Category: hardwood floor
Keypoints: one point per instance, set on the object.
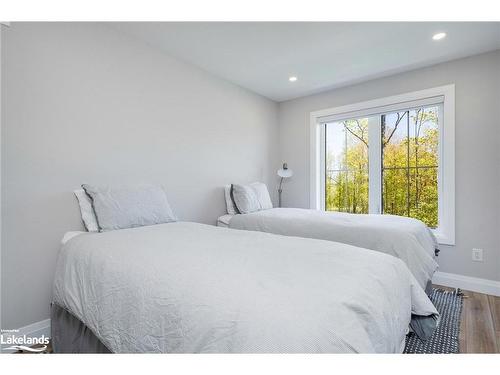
(480, 325)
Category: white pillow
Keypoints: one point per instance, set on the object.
(244, 198)
(129, 207)
(231, 209)
(260, 190)
(249, 198)
(86, 210)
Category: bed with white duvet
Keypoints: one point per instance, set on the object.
(188, 288)
(405, 238)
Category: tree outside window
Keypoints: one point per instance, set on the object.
(409, 164)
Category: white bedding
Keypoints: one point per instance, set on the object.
(224, 220)
(408, 239)
(69, 235)
(187, 288)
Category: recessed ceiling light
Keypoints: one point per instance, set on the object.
(292, 79)
(438, 36)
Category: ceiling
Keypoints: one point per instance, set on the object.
(262, 56)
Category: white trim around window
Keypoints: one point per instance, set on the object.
(445, 232)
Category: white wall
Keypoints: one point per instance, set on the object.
(477, 146)
(85, 104)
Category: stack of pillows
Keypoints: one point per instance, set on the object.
(104, 209)
(244, 199)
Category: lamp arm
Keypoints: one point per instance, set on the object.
(279, 192)
(281, 183)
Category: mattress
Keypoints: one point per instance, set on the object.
(223, 221)
(405, 238)
(69, 235)
(191, 288)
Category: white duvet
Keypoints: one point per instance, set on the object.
(188, 288)
(408, 239)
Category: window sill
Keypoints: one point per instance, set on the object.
(443, 239)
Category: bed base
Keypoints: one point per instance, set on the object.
(70, 335)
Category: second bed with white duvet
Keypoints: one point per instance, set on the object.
(405, 238)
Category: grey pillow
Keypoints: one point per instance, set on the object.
(129, 207)
(244, 198)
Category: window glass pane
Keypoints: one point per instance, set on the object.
(410, 164)
(394, 136)
(346, 185)
(394, 192)
(424, 196)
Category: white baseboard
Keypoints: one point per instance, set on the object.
(473, 284)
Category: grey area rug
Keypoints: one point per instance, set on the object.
(445, 337)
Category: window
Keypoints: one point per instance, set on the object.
(388, 156)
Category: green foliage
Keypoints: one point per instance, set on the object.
(347, 189)
(409, 180)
